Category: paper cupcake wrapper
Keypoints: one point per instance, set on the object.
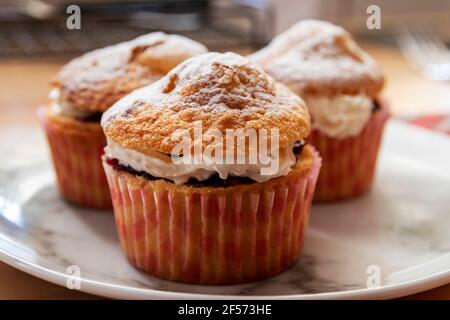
(348, 165)
(211, 238)
(77, 161)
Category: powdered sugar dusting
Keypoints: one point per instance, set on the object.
(314, 53)
(157, 51)
(212, 82)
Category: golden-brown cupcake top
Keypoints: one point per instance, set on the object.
(223, 91)
(97, 79)
(317, 57)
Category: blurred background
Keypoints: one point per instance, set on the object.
(37, 27)
(411, 45)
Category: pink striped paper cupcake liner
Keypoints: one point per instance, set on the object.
(212, 235)
(348, 165)
(76, 156)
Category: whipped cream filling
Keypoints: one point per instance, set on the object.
(339, 116)
(162, 165)
(65, 108)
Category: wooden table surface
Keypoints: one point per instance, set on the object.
(24, 84)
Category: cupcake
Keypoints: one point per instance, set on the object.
(340, 84)
(210, 184)
(83, 90)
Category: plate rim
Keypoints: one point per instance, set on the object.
(119, 291)
(103, 289)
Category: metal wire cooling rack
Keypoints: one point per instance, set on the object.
(240, 28)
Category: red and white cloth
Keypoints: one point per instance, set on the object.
(439, 122)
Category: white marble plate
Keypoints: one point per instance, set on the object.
(400, 231)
